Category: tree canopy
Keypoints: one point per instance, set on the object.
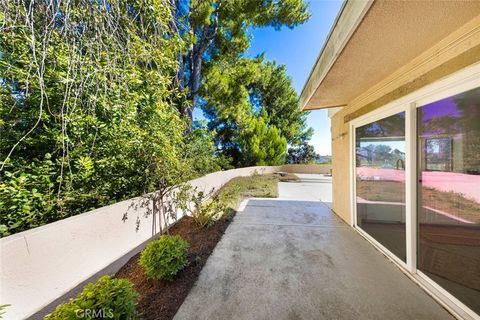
(87, 107)
(241, 98)
(96, 99)
(216, 32)
(302, 153)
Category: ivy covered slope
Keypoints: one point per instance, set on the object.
(96, 99)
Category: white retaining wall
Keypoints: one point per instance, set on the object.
(42, 265)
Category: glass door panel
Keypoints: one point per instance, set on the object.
(380, 182)
(449, 195)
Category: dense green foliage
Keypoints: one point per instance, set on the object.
(217, 33)
(96, 99)
(261, 144)
(108, 298)
(163, 258)
(88, 108)
(243, 98)
(303, 153)
(254, 110)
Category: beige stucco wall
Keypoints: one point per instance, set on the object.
(340, 168)
(455, 52)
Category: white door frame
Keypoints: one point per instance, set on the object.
(381, 113)
(463, 80)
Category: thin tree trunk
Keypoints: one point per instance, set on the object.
(208, 33)
(195, 80)
(179, 76)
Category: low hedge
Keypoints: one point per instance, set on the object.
(108, 298)
(162, 259)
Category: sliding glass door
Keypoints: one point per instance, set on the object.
(380, 182)
(417, 187)
(449, 195)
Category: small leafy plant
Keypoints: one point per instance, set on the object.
(108, 298)
(163, 258)
(207, 208)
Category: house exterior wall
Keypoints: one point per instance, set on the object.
(341, 167)
(458, 50)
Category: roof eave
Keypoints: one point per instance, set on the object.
(350, 16)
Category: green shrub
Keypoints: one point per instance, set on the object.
(207, 208)
(108, 298)
(209, 213)
(163, 258)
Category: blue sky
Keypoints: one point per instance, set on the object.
(298, 49)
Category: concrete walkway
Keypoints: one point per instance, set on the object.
(310, 187)
(294, 259)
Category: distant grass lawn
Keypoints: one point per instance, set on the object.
(256, 186)
(286, 177)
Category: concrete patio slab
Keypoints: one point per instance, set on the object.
(295, 259)
(310, 187)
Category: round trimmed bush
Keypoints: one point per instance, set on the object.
(162, 259)
(108, 298)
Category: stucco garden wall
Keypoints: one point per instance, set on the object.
(46, 265)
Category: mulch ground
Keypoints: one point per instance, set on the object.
(162, 299)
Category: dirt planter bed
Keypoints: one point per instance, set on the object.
(162, 299)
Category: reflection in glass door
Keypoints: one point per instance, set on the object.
(380, 182)
(449, 195)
